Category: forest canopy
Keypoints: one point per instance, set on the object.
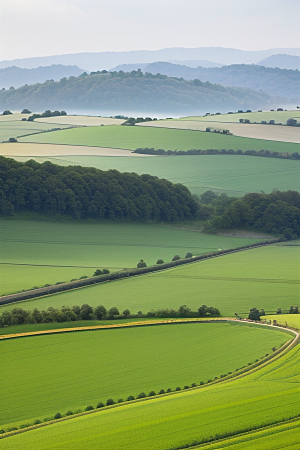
(86, 192)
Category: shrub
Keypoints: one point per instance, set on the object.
(176, 258)
(162, 391)
(178, 388)
(113, 312)
(130, 398)
(89, 408)
(126, 313)
(120, 400)
(109, 402)
(24, 425)
(141, 264)
(69, 413)
(97, 272)
(57, 416)
(189, 255)
(151, 394)
(12, 139)
(25, 111)
(37, 421)
(141, 395)
(100, 405)
(169, 390)
(186, 387)
(160, 261)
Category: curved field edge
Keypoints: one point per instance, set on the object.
(111, 372)
(179, 420)
(284, 435)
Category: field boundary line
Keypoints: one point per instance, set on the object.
(267, 360)
(125, 274)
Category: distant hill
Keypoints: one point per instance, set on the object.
(275, 82)
(281, 61)
(111, 91)
(16, 76)
(190, 63)
(105, 60)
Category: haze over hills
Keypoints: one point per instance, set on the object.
(275, 82)
(105, 60)
(188, 63)
(281, 61)
(115, 92)
(16, 76)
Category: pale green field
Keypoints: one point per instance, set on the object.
(16, 128)
(278, 116)
(269, 394)
(234, 175)
(91, 366)
(130, 138)
(265, 277)
(34, 253)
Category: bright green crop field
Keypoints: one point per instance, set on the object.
(42, 375)
(265, 277)
(130, 138)
(15, 128)
(293, 320)
(234, 175)
(278, 437)
(269, 394)
(35, 253)
(278, 116)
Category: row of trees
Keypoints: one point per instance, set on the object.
(255, 314)
(19, 316)
(86, 192)
(223, 151)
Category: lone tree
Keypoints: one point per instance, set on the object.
(112, 312)
(175, 258)
(254, 314)
(141, 264)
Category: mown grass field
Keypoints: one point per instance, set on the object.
(130, 138)
(45, 374)
(263, 278)
(34, 253)
(278, 116)
(269, 394)
(234, 175)
(253, 131)
(16, 128)
(81, 120)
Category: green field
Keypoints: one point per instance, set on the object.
(278, 437)
(278, 116)
(265, 277)
(42, 375)
(34, 253)
(269, 394)
(130, 138)
(234, 175)
(16, 129)
(293, 320)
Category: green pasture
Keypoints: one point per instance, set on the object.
(278, 116)
(293, 320)
(16, 129)
(35, 253)
(234, 175)
(42, 375)
(265, 277)
(267, 395)
(283, 436)
(130, 138)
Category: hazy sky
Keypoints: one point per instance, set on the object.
(53, 27)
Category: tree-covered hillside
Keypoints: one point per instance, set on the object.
(132, 91)
(86, 192)
(274, 81)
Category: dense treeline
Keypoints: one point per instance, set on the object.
(211, 151)
(86, 192)
(128, 91)
(278, 212)
(19, 316)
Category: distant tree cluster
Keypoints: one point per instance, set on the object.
(47, 113)
(278, 212)
(132, 121)
(86, 192)
(19, 316)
